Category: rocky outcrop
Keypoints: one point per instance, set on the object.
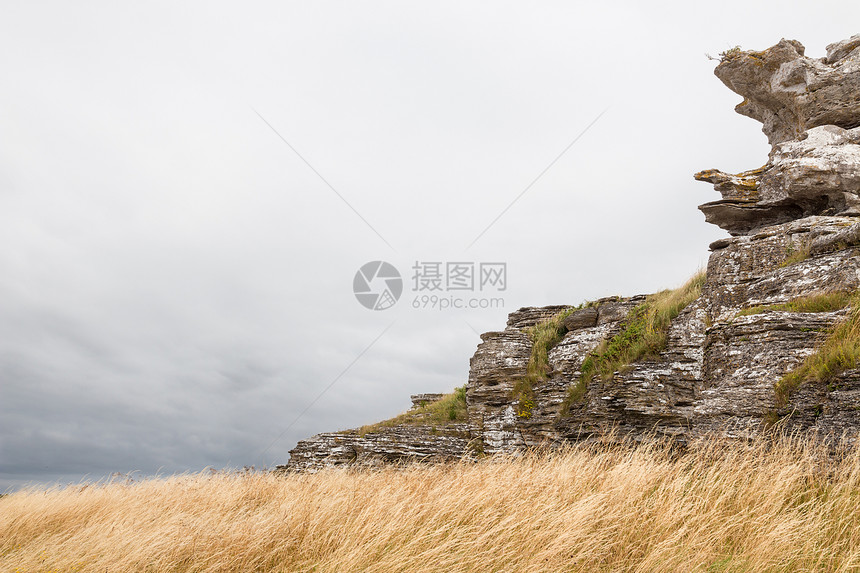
(815, 174)
(396, 444)
(795, 234)
(419, 400)
(718, 370)
(501, 359)
(818, 170)
(810, 111)
(791, 93)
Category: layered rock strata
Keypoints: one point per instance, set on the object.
(404, 443)
(810, 111)
(794, 234)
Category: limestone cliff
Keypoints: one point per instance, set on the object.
(723, 362)
(809, 111)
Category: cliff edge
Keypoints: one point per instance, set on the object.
(768, 335)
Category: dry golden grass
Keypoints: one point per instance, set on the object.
(587, 508)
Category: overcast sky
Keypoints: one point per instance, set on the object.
(176, 280)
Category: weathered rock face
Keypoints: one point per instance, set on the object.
(789, 92)
(796, 234)
(583, 318)
(718, 370)
(423, 399)
(820, 168)
(388, 445)
(810, 110)
(501, 359)
(656, 394)
(816, 174)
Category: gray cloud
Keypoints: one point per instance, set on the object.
(176, 283)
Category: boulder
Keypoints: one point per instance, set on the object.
(791, 93)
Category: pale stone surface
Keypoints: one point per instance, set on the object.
(424, 399)
(500, 360)
(810, 111)
(789, 92)
(821, 170)
(396, 444)
(816, 174)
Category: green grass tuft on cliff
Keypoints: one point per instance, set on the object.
(451, 408)
(838, 353)
(795, 253)
(544, 335)
(826, 302)
(644, 334)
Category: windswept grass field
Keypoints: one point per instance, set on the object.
(777, 507)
